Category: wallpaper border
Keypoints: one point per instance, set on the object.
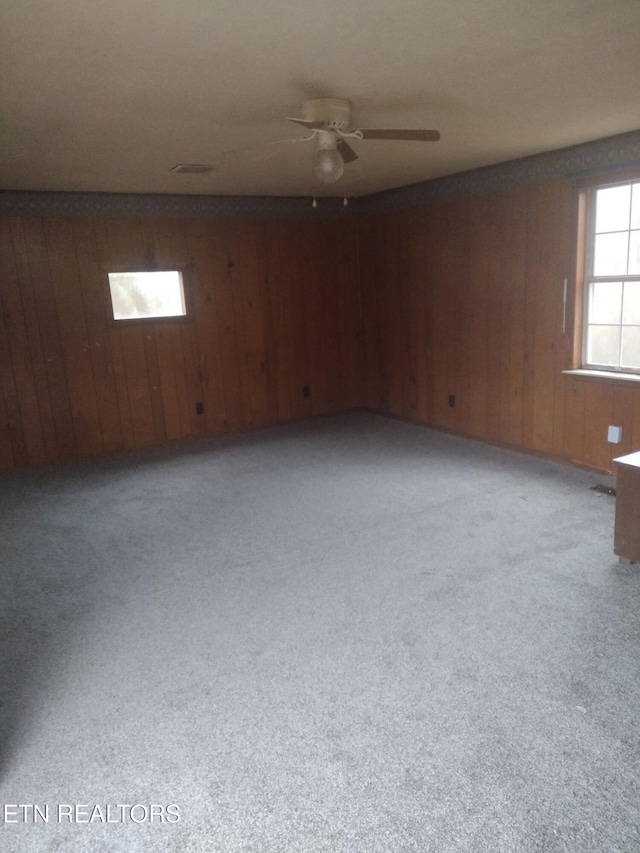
(34, 203)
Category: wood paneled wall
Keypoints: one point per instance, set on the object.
(274, 305)
(465, 298)
(396, 312)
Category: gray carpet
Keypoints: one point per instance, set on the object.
(352, 635)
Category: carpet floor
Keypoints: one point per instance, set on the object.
(352, 635)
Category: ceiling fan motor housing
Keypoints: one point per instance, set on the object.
(332, 112)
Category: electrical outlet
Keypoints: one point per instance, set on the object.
(199, 408)
(614, 434)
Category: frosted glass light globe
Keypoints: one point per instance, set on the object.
(328, 165)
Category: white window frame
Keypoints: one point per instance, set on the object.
(590, 278)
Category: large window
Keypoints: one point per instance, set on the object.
(611, 339)
(145, 295)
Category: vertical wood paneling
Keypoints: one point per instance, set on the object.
(95, 311)
(126, 249)
(278, 288)
(12, 427)
(268, 369)
(245, 276)
(32, 324)
(115, 367)
(428, 237)
(458, 247)
(50, 336)
(230, 334)
(548, 259)
(481, 323)
(76, 350)
(395, 312)
(369, 295)
(274, 306)
(203, 296)
(314, 275)
(597, 417)
(635, 428)
(484, 281)
(512, 239)
(440, 325)
(169, 381)
(303, 319)
(19, 353)
(7, 456)
(418, 319)
(327, 305)
(622, 413)
(574, 425)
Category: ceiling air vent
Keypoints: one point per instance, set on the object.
(192, 169)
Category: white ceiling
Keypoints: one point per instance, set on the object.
(108, 95)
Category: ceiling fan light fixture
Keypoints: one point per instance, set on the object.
(328, 165)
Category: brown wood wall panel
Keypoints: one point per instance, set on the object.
(278, 270)
(24, 281)
(96, 317)
(395, 312)
(246, 274)
(635, 430)
(479, 319)
(274, 307)
(510, 267)
(12, 431)
(465, 298)
(76, 350)
(299, 328)
(22, 390)
(574, 426)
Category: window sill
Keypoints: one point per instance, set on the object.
(581, 372)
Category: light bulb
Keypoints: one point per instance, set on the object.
(328, 165)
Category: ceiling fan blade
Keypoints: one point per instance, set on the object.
(346, 151)
(409, 135)
(294, 140)
(303, 121)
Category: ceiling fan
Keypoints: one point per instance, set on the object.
(329, 120)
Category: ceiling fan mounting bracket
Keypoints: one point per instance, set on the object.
(334, 113)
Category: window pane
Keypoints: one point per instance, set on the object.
(612, 328)
(631, 309)
(611, 254)
(635, 206)
(612, 209)
(630, 347)
(135, 295)
(634, 253)
(606, 302)
(603, 346)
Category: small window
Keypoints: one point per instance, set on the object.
(612, 279)
(143, 295)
